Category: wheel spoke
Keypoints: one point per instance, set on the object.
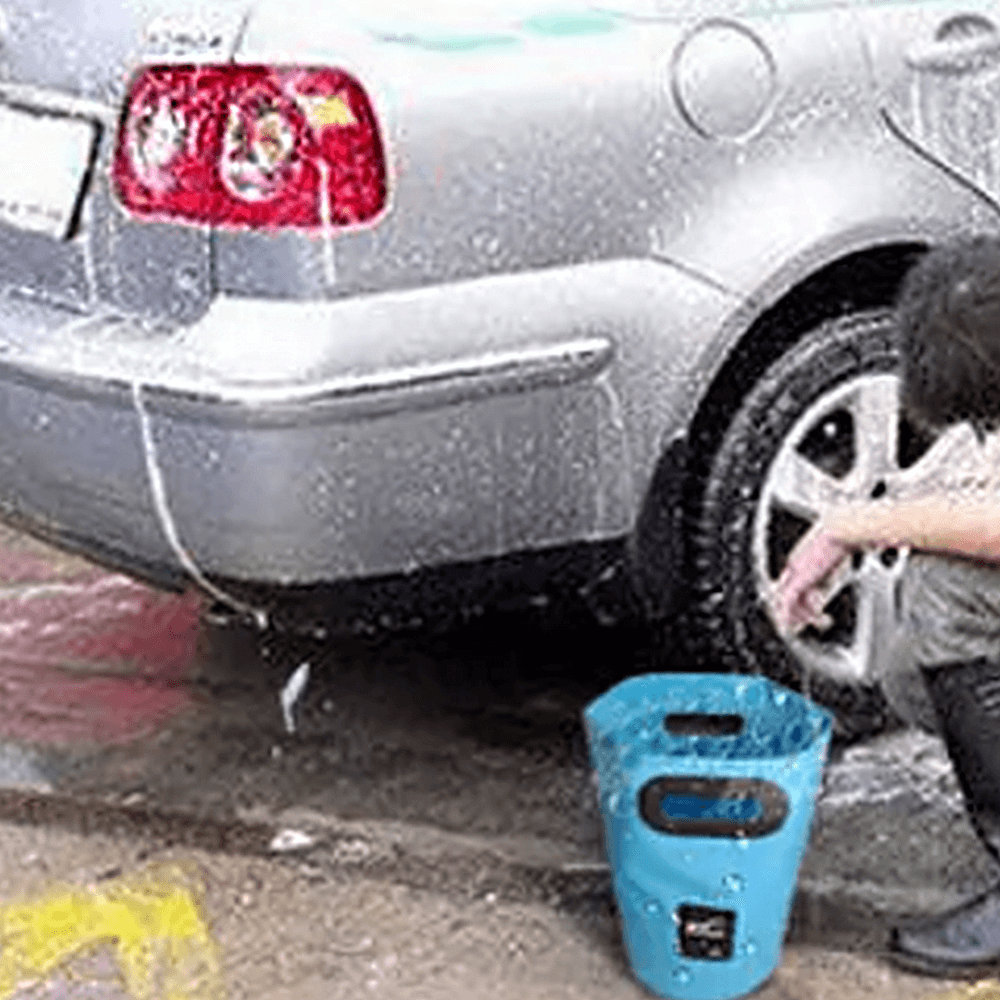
(876, 428)
(802, 488)
(876, 631)
(944, 454)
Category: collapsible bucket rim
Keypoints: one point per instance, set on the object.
(763, 738)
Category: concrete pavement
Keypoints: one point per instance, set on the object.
(287, 929)
(452, 766)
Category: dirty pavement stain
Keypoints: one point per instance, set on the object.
(162, 946)
(99, 658)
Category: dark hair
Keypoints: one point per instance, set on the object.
(949, 335)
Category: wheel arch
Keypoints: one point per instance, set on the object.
(864, 279)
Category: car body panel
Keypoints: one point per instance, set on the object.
(525, 422)
(936, 71)
(497, 362)
(485, 180)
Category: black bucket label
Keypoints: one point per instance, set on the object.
(705, 932)
(689, 806)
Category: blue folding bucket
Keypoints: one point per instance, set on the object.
(707, 788)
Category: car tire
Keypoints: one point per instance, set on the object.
(806, 414)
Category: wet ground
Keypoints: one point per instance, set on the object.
(289, 929)
(474, 739)
(434, 795)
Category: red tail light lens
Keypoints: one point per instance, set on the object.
(249, 146)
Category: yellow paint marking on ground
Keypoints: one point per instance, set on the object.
(163, 947)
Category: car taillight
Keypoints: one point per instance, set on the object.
(249, 146)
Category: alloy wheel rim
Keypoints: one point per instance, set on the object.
(844, 448)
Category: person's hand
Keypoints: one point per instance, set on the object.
(800, 592)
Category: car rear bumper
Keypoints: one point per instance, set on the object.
(301, 442)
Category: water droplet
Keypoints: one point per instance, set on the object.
(742, 843)
(653, 906)
(688, 858)
(682, 975)
(780, 697)
(733, 882)
(749, 948)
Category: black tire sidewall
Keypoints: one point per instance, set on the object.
(732, 629)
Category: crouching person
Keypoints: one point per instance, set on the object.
(949, 337)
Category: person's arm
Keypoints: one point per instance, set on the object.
(962, 528)
(967, 528)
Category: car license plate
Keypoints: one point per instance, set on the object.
(43, 160)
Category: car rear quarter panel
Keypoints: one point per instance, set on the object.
(823, 178)
(511, 159)
(519, 185)
(504, 157)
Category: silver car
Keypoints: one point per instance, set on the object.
(344, 293)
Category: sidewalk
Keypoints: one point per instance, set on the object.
(400, 769)
(286, 930)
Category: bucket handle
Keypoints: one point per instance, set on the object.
(771, 796)
(703, 724)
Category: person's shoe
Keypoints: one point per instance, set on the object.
(959, 944)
